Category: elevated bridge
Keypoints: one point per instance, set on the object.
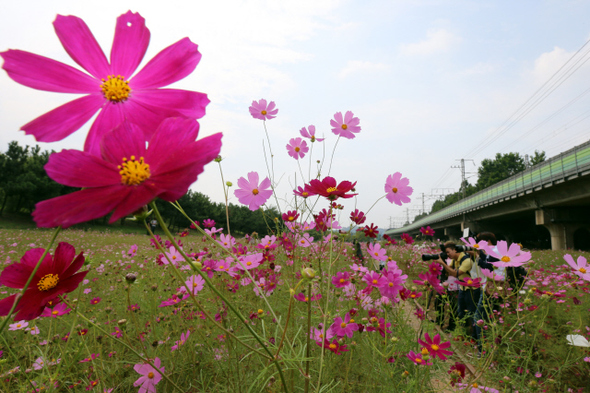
(549, 202)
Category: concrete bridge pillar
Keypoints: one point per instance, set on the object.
(453, 233)
(562, 234)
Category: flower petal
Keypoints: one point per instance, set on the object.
(71, 168)
(140, 196)
(80, 206)
(78, 41)
(130, 44)
(148, 108)
(15, 275)
(123, 141)
(109, 117)
(64, 120)
(6, 304)
(42, 73)
(170, 65)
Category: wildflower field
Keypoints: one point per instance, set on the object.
(315, 306)
(130, 301)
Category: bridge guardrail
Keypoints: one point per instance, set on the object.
(562, 167)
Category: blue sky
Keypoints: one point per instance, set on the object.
(430, 81)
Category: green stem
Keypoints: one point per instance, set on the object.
(218, 293)
(129, 347)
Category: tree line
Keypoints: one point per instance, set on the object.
(490, 172)
(24, 182)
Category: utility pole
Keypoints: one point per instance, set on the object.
(423, 211)
(462, 167)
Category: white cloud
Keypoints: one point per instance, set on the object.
(437, 41)
(548, 63)
(355, 66)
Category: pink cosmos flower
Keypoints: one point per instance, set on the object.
(379, 326)
(251, 261)
(260, 110)
(18, 325)
(195, 283)
(345, 127)
(435, 347)
(512, 256)
(297, 148)
(345, 327)
(251, 193)
(418, 359)
(472, 243)
(581, 267)
(471, 282)
(127, 176)
(311, 134)
(321, 334)
(333, 346)
(373, 280)
(56, 275)
(226, 241)
(183, 338)
(394, 281)
(377, 252)
(341, 279)
(303, 298)
(330, 189)
(304, 240)
(150, 376)
(111, 89)
(398, 189)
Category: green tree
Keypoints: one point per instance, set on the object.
(538, 157)
(501, 167)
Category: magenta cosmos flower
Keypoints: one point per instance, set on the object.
(150, 376)
(330, 189)
(297, 148)
(251, 193)
(427, 231)
(128, 175)
(57, 274)
(263, 111)
(111, 89)
(345, 127)
(398, 189)
(310, 134)
(435, 347)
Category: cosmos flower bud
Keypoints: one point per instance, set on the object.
(218, 159)
(228, 183)
(308, 273)
(130, 277)
(121, 322)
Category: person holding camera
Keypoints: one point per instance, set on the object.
(460, 268)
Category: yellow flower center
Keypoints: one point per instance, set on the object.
(434, 347)
(260, 311)
(18, 325)
(343, 325)
(582, 270)
(48, 282)
(333, 346)
(344, 126)
(150, 375)
(475, 385)
(255, 191)
(342, 280)
(418, 360)
(115, 88)
(263, 113)
(390, 284)
(297, 149)
(313, 138)
(394, 189)
(306, 298)
(331, 189)
(476, 245)
(505, 258)
(373, 320)
(375, 281)
(248, 263)
(376, 254)
(55, 312)
(134, 172)
(351, 321)
(305, 194)
(469, 282)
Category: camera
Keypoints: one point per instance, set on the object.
(462, 248)
(431, 257)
